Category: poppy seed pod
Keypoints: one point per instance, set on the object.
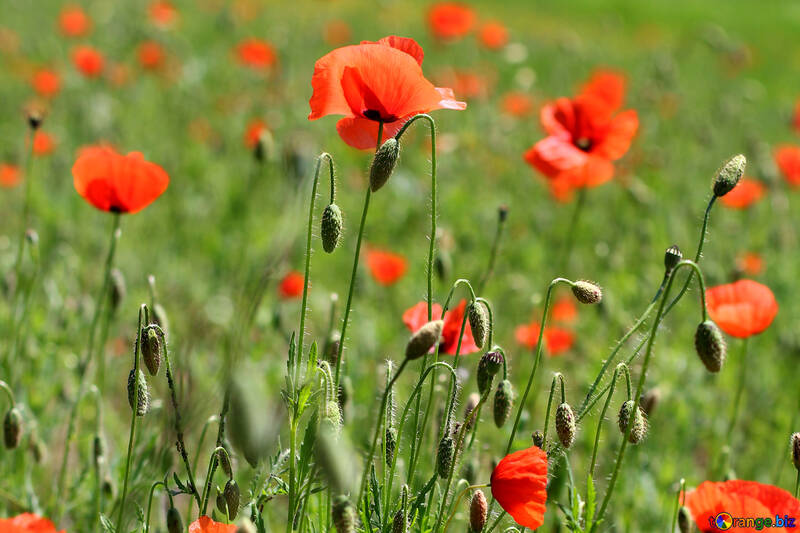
(565, 425)
(343, 514)
(444, 456)
(118, 288)
(231, 494)
(478, 511)
(729, 175)
(639, 428)
(400, 522)
(224, 462)
(488, 366)
(423, 340)
(795, 440)
(710, 345)
(478, 322)
(331, 227)
(174, 521)
(142, 406)
(587, 292)
(672, 257)
(151, 351)
(12, 428)
(383, 164)
(503, 403)
(685, 522)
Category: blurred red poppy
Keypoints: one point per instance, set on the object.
(493, 35)
(467, 83)
(416, 317)
(517, 104)
(291, 286)
(750, 263)
(256, 54)
(43, 143)
(27, 523)
(205, 524)
(386, 267)
(74, 22)
(9, 175)
(46, 82)
(788, 160)
(117, 183)
(253, 132)
(450, 20)
(741, 499)
(564, 310)
(519, 484)
(746, 193)
(557, 340)
(151, 55)
(337, 32)
(742, 308)
(584, 136)
(162, 13)
(88, 61)
(374, 82)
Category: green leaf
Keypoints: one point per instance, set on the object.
(591, 500)
(108, 527)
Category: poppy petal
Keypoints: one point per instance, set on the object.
(619, 135)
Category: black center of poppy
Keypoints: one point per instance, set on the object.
(584, 143)
(374, 114)
(115, 209)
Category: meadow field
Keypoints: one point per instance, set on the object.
(265, 268)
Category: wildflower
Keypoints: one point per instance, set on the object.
(750, 263)
(162, 13)
(205, 524)
(564, 310)
(74, 22)
(416, 316)
(450, 20)
(517, 104)
(256, 54)
(788, 160)
(46, 82)
(519, 484)
(27, 523)
(291, 286)
(88, 61)
(386, 267)
(43, 143)
(557, 340)
(742, 308)
(10, 175)
(374, 82)
(151, 55)
(493, 35)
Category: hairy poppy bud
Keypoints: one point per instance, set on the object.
(672, 257)
(639, 428)
(565, 425)
(796, 450)
(174, 521)
(343, 514)
(444, 456)
(391, 444)
(224, 462)
(12, 428)
(231, 494)
(400, 522)
(685, 522)
(587, 292)
(142, 406)
(424, 339)
(478, 511)
(118, 288)
(151, 351)
(331, 227)
(332, 415)
(538, 438)
(478, 322)
(221, 503)
(729, 175)
(488, 366)
(710, 345)
(383, 164)
(503, 403)
(649, 400)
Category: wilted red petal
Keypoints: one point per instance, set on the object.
(742, 308)
(519, 484)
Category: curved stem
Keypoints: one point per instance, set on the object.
(212, 463)
(7, 389)
(739, 392)
(150, 502)
(487, 274)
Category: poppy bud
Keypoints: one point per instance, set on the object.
(383, 164)
(423, 340)
(710, 345)
(685, 522)
(98, 449)
(400, 522)
(478, 322)
(488, 366)
(587, 292)
(35, 117)
(391, 444)
(729, 175)
(672, 257)
(502, 213)
(538, 439)
(478, 511)
(331, 227)
(472, 403)
(639, 428)
(332, 415)
(503, 403)
(174, 521)
(343, 514)
(118, 289)
(221, 503)
(565, 425)
(231, 494)
(12, 428)
(649, 400)
(151, 351)
(224, 462)
(796, 450)
(444, 456)
(108, 486)
(143, 404)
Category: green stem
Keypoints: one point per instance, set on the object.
(739, 392)
(501, 219)
(7, 389)
(573, 225)
(556, 377)
(677, 505)
(622, 367)
(26, 208)
(150, 502)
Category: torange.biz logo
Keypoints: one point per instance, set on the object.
(724, 521)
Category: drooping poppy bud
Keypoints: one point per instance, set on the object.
(503, 403)
(478, 322)
(224, 462)
(639, 428)
(478, 511)
(231, 494)
(796, 450)
(729, 175)
(343, 514)
(383, 164)
(710, 345)
(685, 522)
(488, 366)
(151, 351)
(672, 257)
(444, 456)
(331, 227)
(12, 428)
(565, 425)
(142, 404)
(587, 292)
(390, 444)
(174, 521)
(424, 339)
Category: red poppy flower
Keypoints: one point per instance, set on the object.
(517, 104)
(416, 317)
(519, 484)
(450, 20)
(43, 143)
(88, 61)
(750, 263)
(742, 308)
(74, 22)
(253, 132)
(151, 55)
(374, 82)
(468, 84)
(746, 193)
(27, 523)
(205, 524)
(9, 175)
(162, 13)
(557, 340)
(740, 499)
(291, 285)
(493, 35)
(584, 136)
(117, 183)
(337, 32)
(46, 82)
(256, 54)
(788, 160)
(386, 267)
